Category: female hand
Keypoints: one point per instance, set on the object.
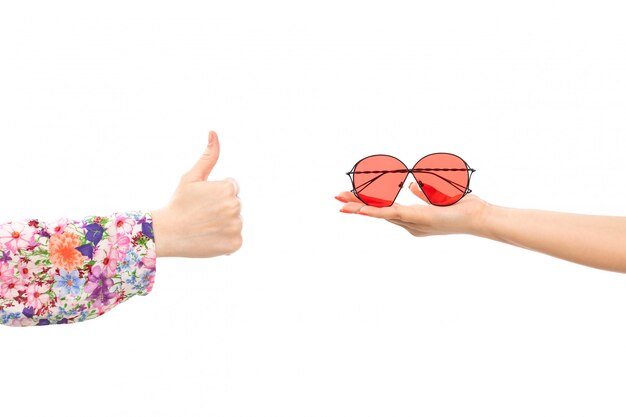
(203, 217)
(595, 241)
(420, 220)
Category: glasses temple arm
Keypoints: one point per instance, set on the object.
(452, 183)
(368, 183)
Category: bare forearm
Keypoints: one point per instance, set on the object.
(595, 241)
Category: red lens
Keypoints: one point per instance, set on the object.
(441, 187)
(378, 179)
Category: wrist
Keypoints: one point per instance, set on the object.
(495, 223)
(483, 220)
(159, 226)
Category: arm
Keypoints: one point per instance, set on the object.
(595, 241)
(73, 270)
(70, 271)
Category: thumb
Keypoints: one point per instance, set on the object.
(204, 166)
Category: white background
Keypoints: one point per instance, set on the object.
(104, 105)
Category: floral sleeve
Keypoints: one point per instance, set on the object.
(73, 270)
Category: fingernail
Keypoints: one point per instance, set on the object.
(212, 135)
(345, 211)
(343, 200)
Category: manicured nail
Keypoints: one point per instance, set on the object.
(212, 136)
(345, 211)
(343, 200)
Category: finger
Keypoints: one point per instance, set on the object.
(235, 184)
(396, 212)
(415, 189)
(204, 166)
(347, 197)
(351, 208)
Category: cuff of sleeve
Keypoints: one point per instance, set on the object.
(136, 228)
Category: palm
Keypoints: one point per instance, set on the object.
(420, 219)
(423, 220)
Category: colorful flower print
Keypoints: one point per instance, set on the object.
(69, 271)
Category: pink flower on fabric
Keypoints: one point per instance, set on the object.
(124, 224)
(119, 230)
(22, 322)
(150, 284)
(9, 285)
(57, 227)
(108, 259)
(37, 295)
(6, 271)
(149, 261)
(26, 268)
(122, 242)
(16, 236)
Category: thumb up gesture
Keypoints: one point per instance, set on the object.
(202, 219)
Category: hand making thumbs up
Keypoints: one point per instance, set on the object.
(203, 217)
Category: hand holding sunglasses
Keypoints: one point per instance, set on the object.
(442, 177)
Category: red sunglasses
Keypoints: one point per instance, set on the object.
(442, 177)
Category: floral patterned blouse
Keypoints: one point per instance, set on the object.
(69, 271)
